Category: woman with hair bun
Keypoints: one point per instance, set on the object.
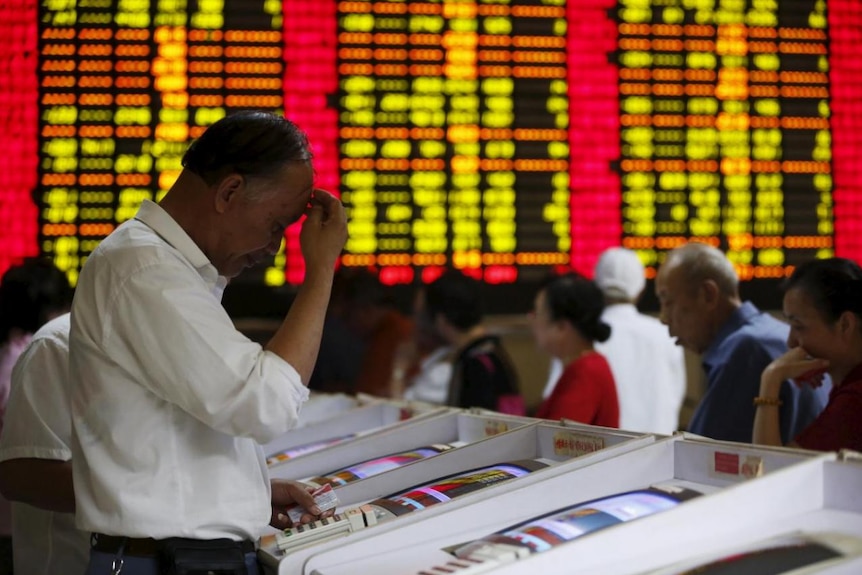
(567, 322)
(823, 304)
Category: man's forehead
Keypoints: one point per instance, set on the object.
(297, 174)
(669, 277)
(665, 271)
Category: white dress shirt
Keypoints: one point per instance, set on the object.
(9, 353)
(169, 401)
(648, 367)
(37, 426)
(431, 384)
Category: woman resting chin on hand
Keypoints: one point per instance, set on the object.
(823, 304)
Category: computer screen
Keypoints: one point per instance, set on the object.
(376, 466)
(772, 560)
(305, 449)
(448, 488)
(789, 552)
(564, 525)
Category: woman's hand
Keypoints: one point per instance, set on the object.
(797, 365)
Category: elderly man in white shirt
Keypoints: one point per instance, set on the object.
(170, 403)
(35, 466)
(648, 367)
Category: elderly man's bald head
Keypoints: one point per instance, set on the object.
(699, 262)
(698, 290)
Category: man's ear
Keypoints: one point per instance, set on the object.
(710, 292)
(848, 323)
(563, 325)
(227, 191)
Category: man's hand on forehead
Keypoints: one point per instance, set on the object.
(323, 199)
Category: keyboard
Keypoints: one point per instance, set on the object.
(483, 560)
(328, 528)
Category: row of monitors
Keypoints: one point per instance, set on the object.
(541, 533)
(565, 524)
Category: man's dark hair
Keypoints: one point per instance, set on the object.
(30, 294)
(457, 298)
(251, 143)
(834, 286)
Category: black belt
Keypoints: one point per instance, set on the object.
(140, 547)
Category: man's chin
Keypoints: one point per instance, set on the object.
(681, 343)
(247, 263)
(688, 346)
(232, 271)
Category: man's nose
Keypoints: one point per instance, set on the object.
(274, 245)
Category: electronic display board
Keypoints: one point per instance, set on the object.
(502, 137)
(124, 85)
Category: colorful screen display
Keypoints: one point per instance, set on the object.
(375, 466)
(561, 526)
(305, 449)
(504, 137)
(449, 488)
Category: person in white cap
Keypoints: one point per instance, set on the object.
(649, 369)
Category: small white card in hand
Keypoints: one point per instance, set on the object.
(324, 497)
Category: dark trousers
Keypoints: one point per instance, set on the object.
(102, 564)
(5, 555)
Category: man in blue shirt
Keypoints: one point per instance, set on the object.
(698, 290)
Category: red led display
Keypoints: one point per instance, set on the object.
(19, 117)
(310, 75)
(845, 24)
(594, 140)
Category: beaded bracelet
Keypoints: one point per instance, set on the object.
(758, 401)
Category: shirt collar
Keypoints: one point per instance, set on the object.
(740, 316)
(157, 219)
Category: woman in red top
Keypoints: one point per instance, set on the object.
(566, 321)
(823, 303)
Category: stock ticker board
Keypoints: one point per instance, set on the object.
(503, 137)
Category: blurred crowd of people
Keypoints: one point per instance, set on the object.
(613, 365)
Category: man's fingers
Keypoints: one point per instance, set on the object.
(315, 213)
(305, 500)
(281, 521)
(332, 207)
(324, 198)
